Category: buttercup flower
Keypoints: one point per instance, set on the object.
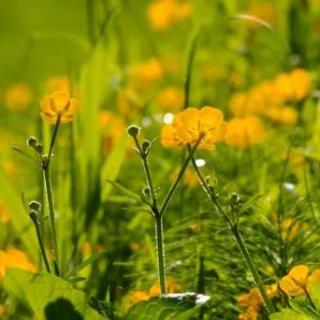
(59, 104)
(244, 132)
(294, 283)
(191, 124)
(13, 258)
(253, 302)
(164, 13)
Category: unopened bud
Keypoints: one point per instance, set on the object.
(39, 147)
(34, 205)
(234, 198)
(32, 141)
(146, 144)
(146, 191)
(133, 130)
(34, 216)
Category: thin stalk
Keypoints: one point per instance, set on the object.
(241, 244)
(50, 199)
(36, 223)
(253, 269)
(54, 242)
(160, 254)
(173, 188)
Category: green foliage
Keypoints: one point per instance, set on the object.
(49, 297)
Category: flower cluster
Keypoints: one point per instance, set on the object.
(299, 280)
(191, 125)
(164, 13)
(253, 302)
(244, 132)
(59, 104)
(271, 98)
(13, 258)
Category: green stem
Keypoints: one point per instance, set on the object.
(173, 188)
(253, 269)
(36, 223)
(54, 243)
(160, 254)
(234, 229)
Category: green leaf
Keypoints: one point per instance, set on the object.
(48, 296)
(172, 306)
(111, 167)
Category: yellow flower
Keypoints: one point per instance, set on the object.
(253, 301)
(145, 74)
(59, 104)
(282, 115)
(164, 13)
(301, 83)
(4, 214)
(58, 83)
(161, 14)
(13, 258)
(314, 278)
(249, 314)
(2, 311)
(170, 98)
(191, 124)
(139, 296)
(18, 97)
(265, 11)
(294, 283)
(244, 132)
(289, 228)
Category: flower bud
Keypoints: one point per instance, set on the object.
(133, 130)
(33, 215)
(32, 141)
(146, 191)
(39, 147)
(234, 199)
(34, 205)
(146, 144)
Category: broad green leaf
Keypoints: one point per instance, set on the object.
(48, 296)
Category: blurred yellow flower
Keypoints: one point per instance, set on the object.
(164, 13)
(265, 11)
(2, 311)
(18, 97)
(289, 228)
(112, 128)
(314, 278)
(58, 83)
(170, 98)
(253, 302)
(244, 132)
(59, 104)
(4, 214)
(13, 258)
(282, 115)
(145, 74)
(191, 124)
(294, 283)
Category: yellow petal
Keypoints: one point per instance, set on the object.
(289, 286)
(300, 273)
(61, 100)
(210, 118)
